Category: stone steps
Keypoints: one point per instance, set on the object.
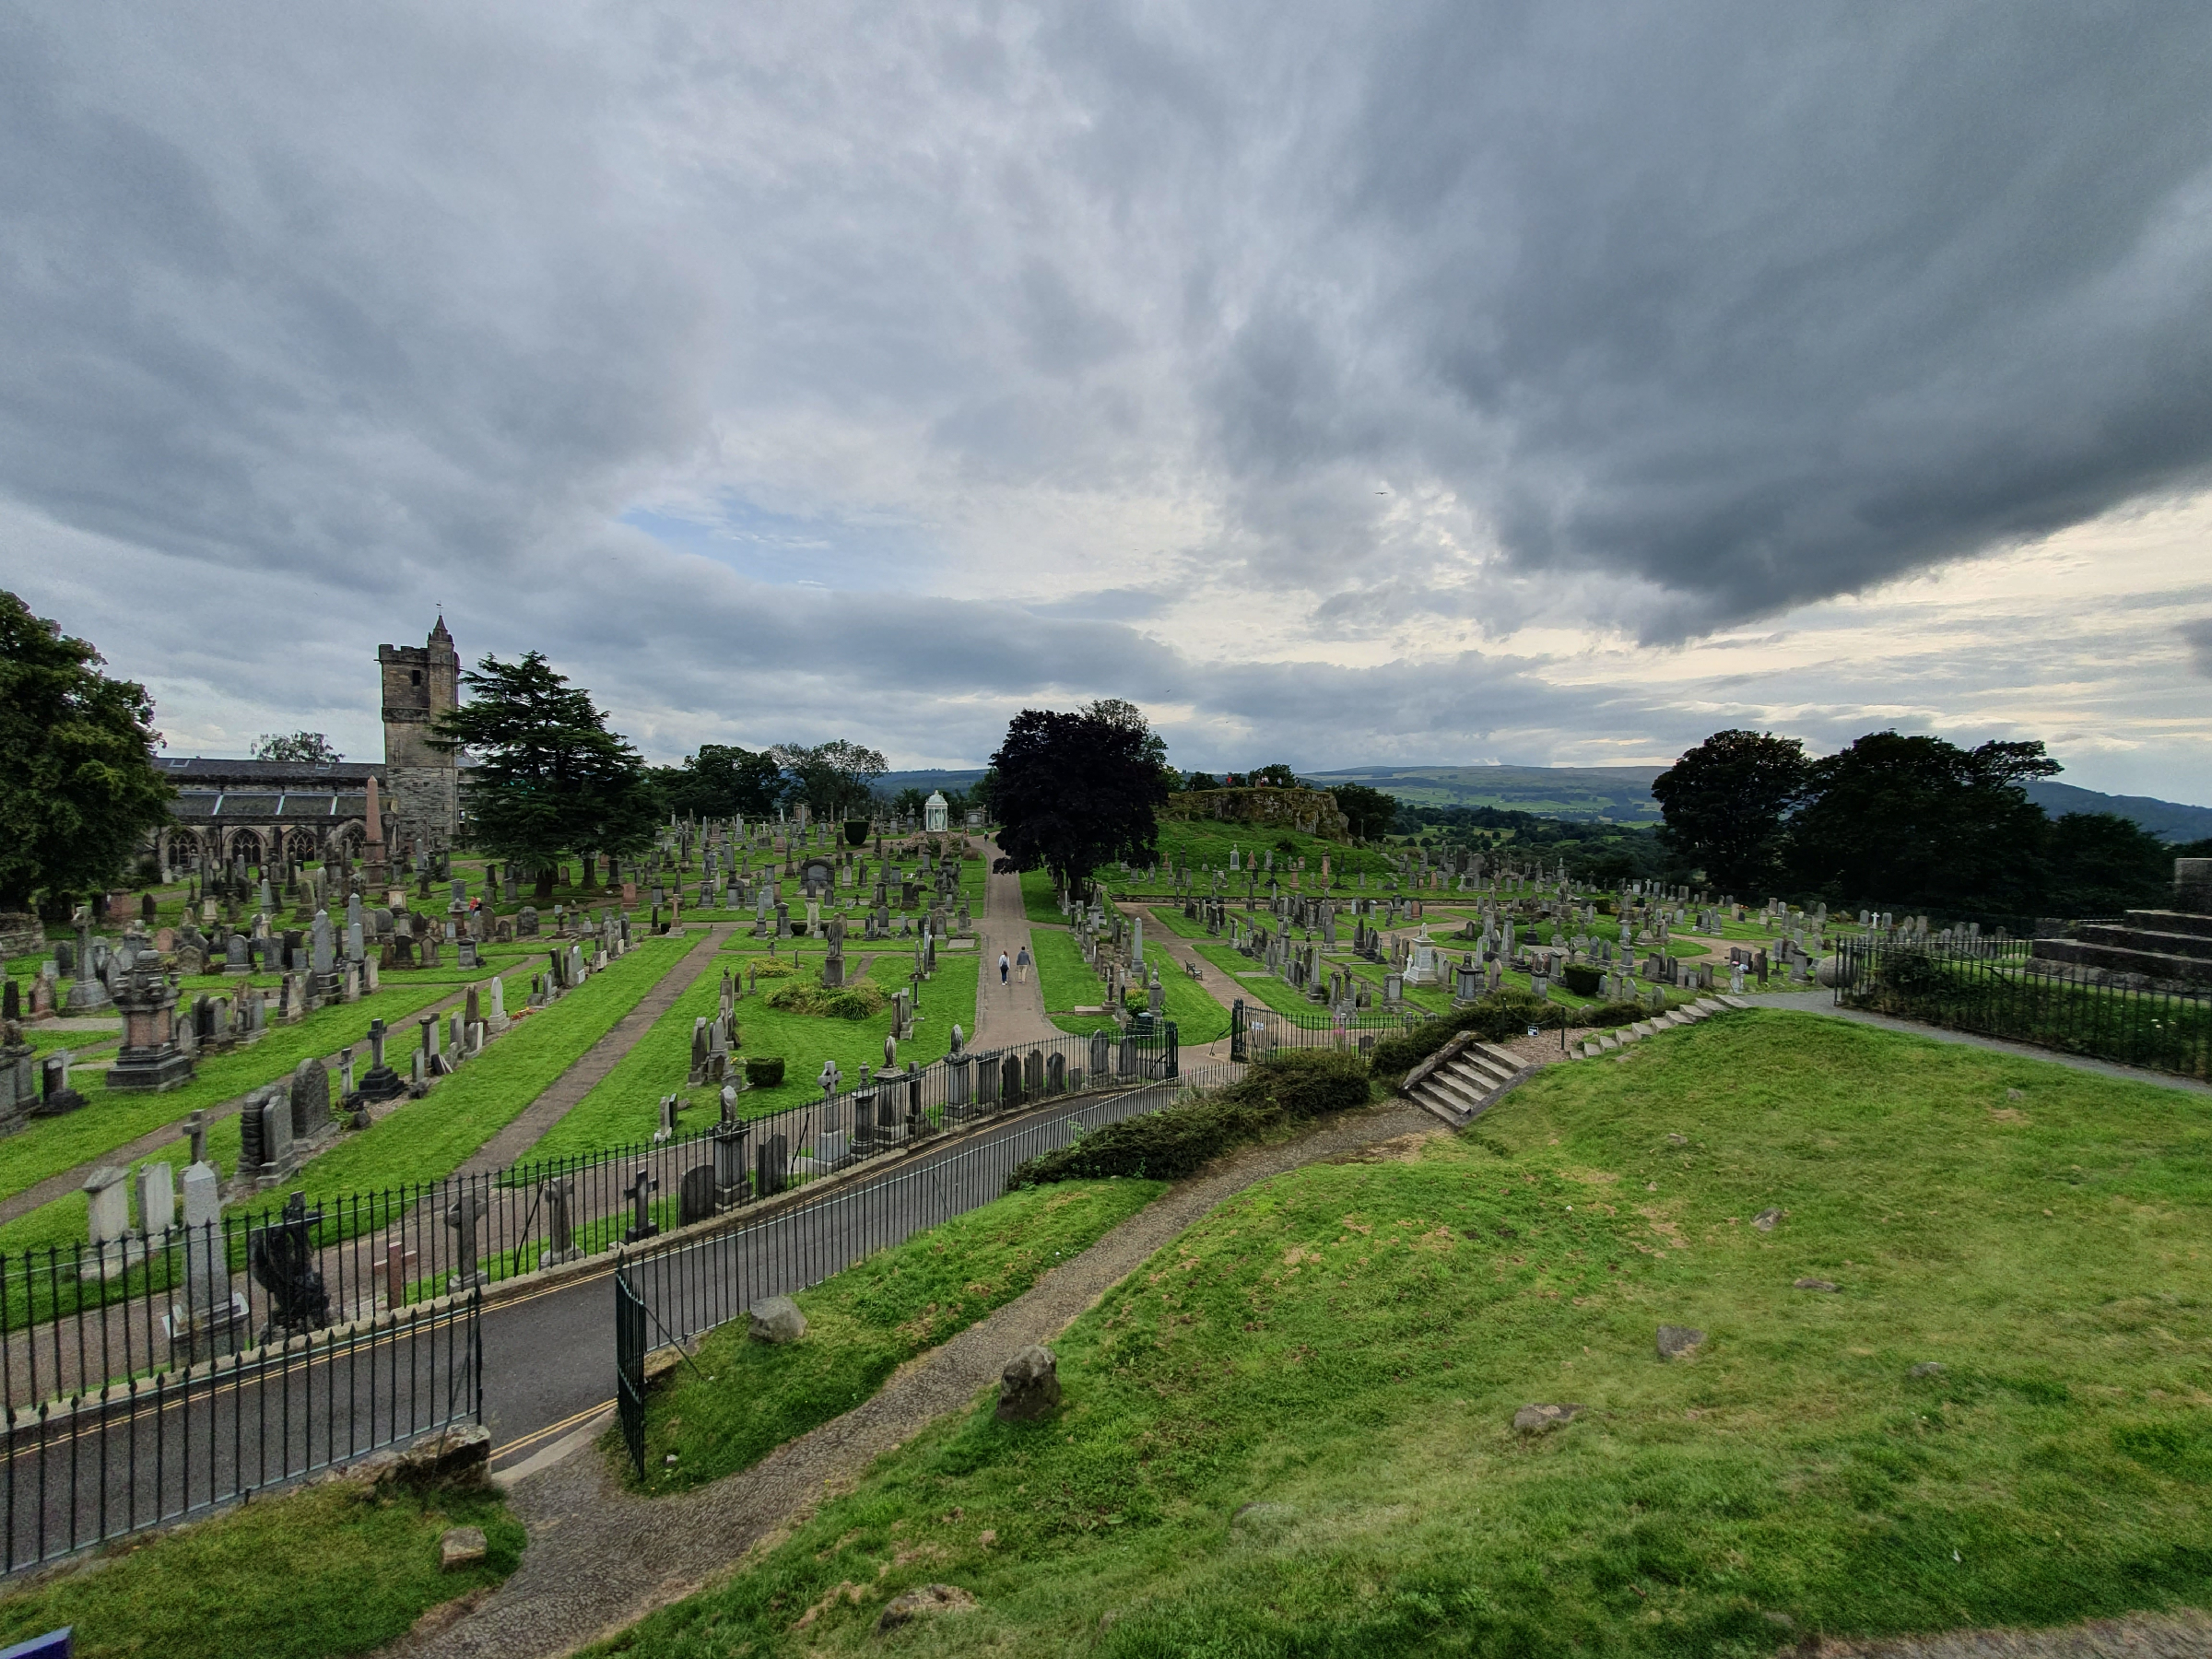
(2170, 922)
(2120, 959)
(2112, 937)
(1468, 1076)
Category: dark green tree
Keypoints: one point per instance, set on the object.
(1371, 810)
(1199, 780)
(835, 779)
(78, 789)
(301, 749)
(1918, 822)
(1276, 776)
(551, 780)
(2101, 864)
(1072, 792)
(722, 780)
(908, 801)
(1725, 802)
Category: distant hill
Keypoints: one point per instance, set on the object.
(2171, 819)
(1620, 795)
(890, 783)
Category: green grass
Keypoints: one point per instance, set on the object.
(1065, 979)
(47, 1145)
(1268, 990)
(745, 1398)
(335, 1568)
(1204, 842)
(1040, 899)
(804, 1041)
(1346, 1345)
(1198, 1017)
(1170, 917)
(624, 1106)
(431, 1137)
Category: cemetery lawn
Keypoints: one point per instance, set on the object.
(1197, 1016)
(1267, 989)
(746, 1398)
(804, 1041)
(623, 1107)
(1291, 1432)
(1205, 844)
(1040, 899)
(341, 1568)
(1065, 979)
(44, 1147)
(1170, 917)
(428, 1138)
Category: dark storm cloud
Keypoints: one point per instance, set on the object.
(1392, 315)
(1759, 303)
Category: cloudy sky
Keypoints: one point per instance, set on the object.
(1342, 382)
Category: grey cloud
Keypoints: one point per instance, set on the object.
(2198, 636)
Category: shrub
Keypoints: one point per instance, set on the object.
(857, 1001)
(1181, 1139)
(1507, 1011)
(1614, 1014)
(770, 968)
(1581, 978)
(764, 1071)
(857, 832)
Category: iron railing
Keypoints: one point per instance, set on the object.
(76, 1317)
(1255, 1028)
(165, 1447)
(666, 1296)
(1998, 988)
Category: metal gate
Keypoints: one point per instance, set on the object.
(629, 1366)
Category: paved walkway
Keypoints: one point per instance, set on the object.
(601, 1557)
(1013, 1013)
(1824, 1002)
(567, 1090)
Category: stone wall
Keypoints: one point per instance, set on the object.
(1307, 811)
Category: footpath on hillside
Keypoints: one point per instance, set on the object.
(601, 1557)
(1013, 1013)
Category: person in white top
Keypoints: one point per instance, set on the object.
(1003, 966)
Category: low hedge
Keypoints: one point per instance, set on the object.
(1183, 1138)
(1507, 1011)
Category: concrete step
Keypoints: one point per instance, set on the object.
(2142, 938)
(2112, 958)
(2171, 922)
(1466, 1086)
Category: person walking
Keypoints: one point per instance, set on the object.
(1022, 964)
(1003, 966)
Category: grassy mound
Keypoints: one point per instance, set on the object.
(1291, 1431)
(740, 1399)
(335, 1568)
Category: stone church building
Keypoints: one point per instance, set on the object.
(269, 810)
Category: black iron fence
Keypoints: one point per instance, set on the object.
(78, 1317)
(667, 1296)
(1998, 988)
(167, 1446)
(1255, 1029)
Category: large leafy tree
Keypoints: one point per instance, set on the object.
(835, 779)
(78, 788)
(2101, 864)
(722, 780)
(1072, 792)
(1919, 822)
(1370, 811)
(1725, 803)
(551, 780)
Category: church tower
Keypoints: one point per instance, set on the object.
(421, 682)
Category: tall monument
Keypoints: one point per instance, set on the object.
(421, 682)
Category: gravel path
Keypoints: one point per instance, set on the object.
(1013, 1013)
(601, 1557)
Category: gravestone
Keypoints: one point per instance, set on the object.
(557, 1200)
(466, 1215)
(695, 1195)
(310, 1100)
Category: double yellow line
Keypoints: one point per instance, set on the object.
(537, 1437)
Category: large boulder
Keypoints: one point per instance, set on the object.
(777, 1319)
(1029, 1388)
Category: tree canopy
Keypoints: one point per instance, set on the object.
(835, 779)
(1917, 821)
(301, 749)
(722, 780)
(551, 780)
(1072, 792)
(1370, 811)
(1726, 802)
(78, 788)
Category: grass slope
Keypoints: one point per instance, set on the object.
(746, 1398)
(1344, 1348)
(337, 1569)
